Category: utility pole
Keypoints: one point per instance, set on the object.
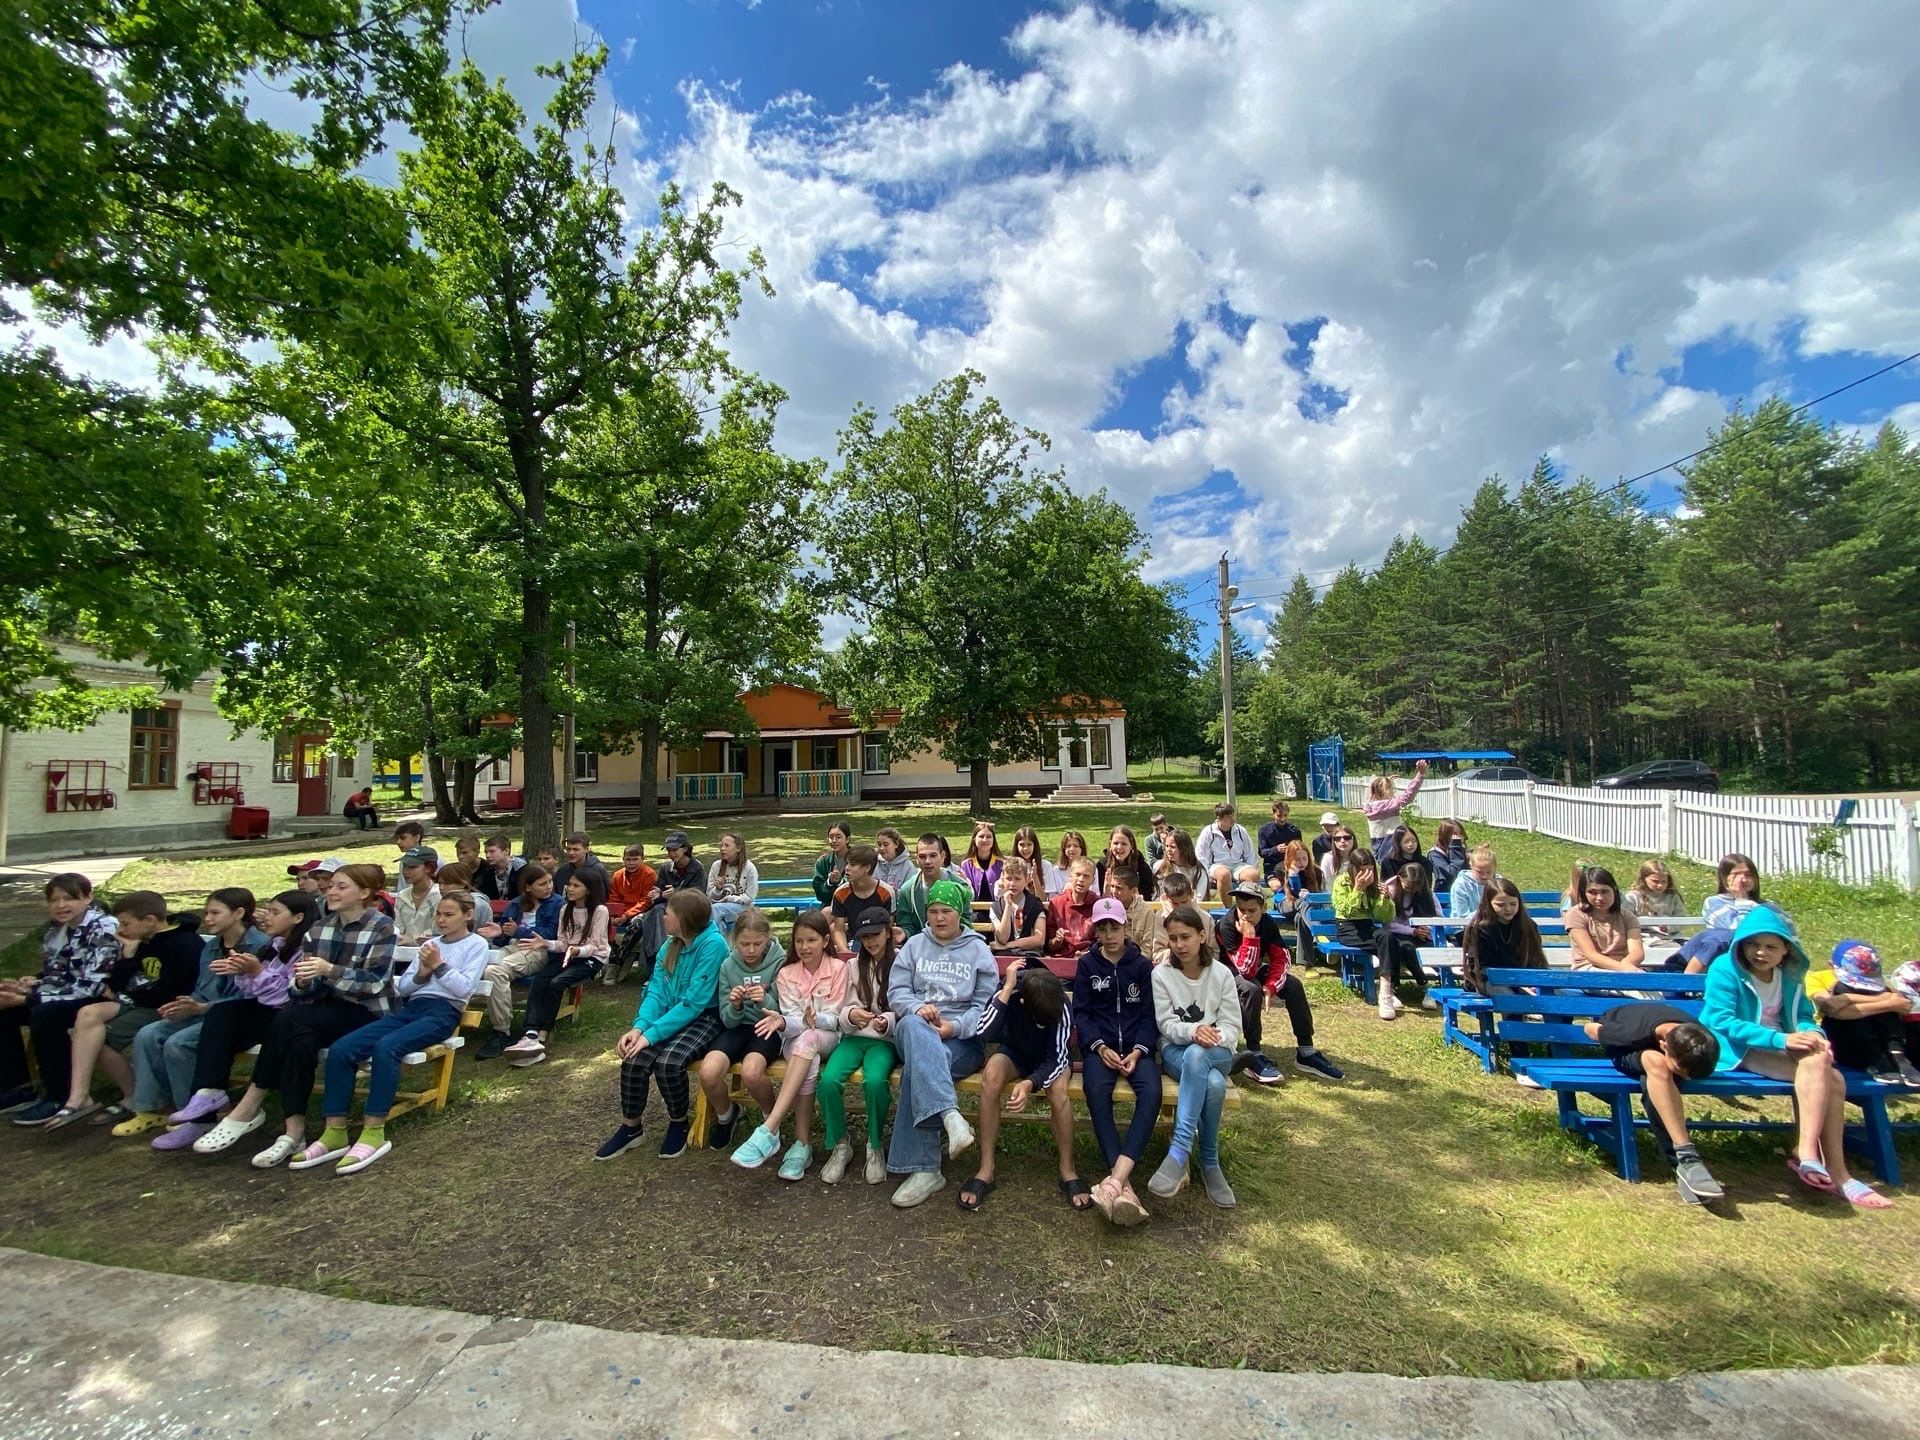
(1227, 594)
(574, 808)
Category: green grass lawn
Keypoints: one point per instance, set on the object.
(1423, 1218)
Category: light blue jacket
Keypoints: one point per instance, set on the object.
(680, 993)
(1731, 1009)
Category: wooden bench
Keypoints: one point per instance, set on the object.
(437, 1058)
(1037, 1109)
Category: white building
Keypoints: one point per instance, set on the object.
(168, 773)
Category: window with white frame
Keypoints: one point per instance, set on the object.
(586, 766)
(873, 754)
(733, 758)
(826, 755)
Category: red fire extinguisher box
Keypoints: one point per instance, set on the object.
(509, 797)
(248, 822)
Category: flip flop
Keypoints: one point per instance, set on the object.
(975, 1190)
(1079, 1197)
(359, 1157)
(1813, 1175)
(67, 1114)
(113, 1114)
(1127, 1210)
(1863, 1196)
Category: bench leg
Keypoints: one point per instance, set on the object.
(697, 1119)
(1626, 1150)
(1876, 1139)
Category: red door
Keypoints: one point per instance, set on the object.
(311, 753)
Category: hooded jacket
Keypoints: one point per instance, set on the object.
(1731, 1009)
(734, 970)
(1113, 1002)
(957, 978)
(682, 987)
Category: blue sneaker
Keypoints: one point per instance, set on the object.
(674, 1142)
(39, 1113)
(620, 1142)
(756, 1149)
(1264, 1070)
(799, 1156)
(1318, 1066)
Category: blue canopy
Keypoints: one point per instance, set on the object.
(1446, 755)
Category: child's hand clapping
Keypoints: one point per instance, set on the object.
(768, 1024)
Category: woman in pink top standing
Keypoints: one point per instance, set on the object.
(1383, 806)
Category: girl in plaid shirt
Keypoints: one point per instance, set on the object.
(342, 982)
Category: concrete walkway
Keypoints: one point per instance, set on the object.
(100, 1352)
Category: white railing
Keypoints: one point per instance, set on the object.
(1881, 840)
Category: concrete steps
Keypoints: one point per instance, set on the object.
(1086, 795)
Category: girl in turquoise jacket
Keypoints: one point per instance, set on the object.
(677, 1020)
(1756, 1005)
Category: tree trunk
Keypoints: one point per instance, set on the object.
(464, 773)
(650, 772)
(536, 717)
(979, 788)
(443, 811)
(406, 778)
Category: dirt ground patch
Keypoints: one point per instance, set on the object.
(1423, 1218)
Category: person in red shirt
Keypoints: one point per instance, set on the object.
(1249, 944)
(630, 894)
(1070, 913)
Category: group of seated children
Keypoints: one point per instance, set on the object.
(163, 1006)
(864, 990)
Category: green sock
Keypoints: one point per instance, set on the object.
(373, 1136)
(334, 1137)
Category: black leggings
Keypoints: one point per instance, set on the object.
(1867, 1040)
(549, 987)
(291, 1052)
(229, 1028)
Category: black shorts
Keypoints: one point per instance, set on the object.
(1628, 1062)
(736, 1042)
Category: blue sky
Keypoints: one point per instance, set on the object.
(1290, 276)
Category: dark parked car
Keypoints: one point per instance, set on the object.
(1663, 775)
(1502, 772)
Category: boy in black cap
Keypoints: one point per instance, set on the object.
(681, 872)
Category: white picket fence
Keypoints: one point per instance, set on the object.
(1881, 840)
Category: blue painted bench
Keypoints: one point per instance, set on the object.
(1458, 1005)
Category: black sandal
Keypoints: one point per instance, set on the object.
(113, 1114)
(1079, 1196)
(978, 1190)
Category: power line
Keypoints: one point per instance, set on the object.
(1565, 496)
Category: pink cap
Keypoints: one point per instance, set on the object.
(1108, 908)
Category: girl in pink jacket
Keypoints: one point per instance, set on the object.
(1383, 806)
(812, 990)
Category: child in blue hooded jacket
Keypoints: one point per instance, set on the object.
(1756, 1005)
(1113, 1014)
(675, 1025)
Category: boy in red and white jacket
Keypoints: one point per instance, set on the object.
(1249, 943)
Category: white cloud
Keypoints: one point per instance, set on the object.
(1489, 205)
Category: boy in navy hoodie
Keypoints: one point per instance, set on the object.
(1113, 1013)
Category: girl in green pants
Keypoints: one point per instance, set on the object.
(866, 1045)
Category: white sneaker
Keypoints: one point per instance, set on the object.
(1427, 1002)
(918, 1187)
(836, 1167)
(1388, 1010)
(1398, 1005)
(1528, 1082)
(959, 1133)
(876, 1166)
(527, 1044)
(532, 1057)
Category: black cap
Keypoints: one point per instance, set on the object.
(872, 921)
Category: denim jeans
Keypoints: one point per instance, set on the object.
(928, 1068)
(1202, 1075)
(421, 1022)
(165, 1055)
